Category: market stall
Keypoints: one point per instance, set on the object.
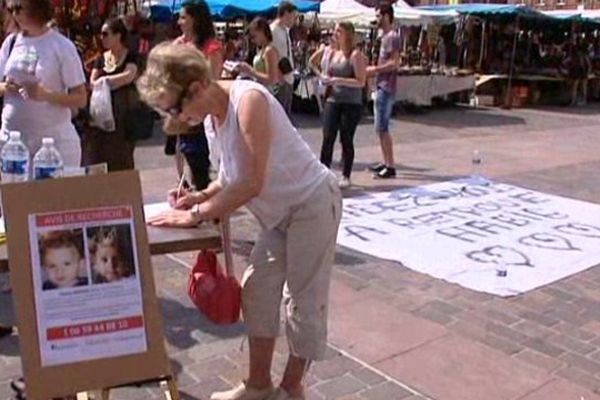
(521, 55)
(421, 90)
(333, 11)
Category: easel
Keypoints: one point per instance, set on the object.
(168, 385)
(149, 364)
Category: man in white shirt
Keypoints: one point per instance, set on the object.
(280, 28)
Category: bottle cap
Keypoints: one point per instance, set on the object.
(48, 141)
(14, 135)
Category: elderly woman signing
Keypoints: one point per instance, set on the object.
(266, 166)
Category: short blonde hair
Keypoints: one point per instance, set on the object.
(171, 69)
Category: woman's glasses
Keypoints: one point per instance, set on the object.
(104, 34)
(14, 9)
(177, 107)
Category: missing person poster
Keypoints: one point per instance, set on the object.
(87, 288)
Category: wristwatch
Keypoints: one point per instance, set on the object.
(195, 211)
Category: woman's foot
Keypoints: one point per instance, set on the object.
(281, 394)
(344, 182)
(386, 173)
(244, 392)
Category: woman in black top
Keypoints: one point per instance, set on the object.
(119, 66)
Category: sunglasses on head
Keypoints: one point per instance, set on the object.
(14, 9)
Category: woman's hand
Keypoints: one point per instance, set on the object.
(184, 200)
(35, 91)
(330, 80)
(191, 199)
(244, 68)
(175, 219)
(174, 195)
(10, 87)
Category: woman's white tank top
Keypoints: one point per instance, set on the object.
(293, 171)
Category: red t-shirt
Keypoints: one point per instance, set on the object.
(211, 47)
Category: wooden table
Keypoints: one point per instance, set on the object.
(163, 241)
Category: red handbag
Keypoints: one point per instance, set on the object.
(215, 291)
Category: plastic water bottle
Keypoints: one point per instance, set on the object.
(47, 162)
(473, 100)
(501, 276)
(15, 159)
(476, 165)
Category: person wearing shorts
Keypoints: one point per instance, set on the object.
(385, 73)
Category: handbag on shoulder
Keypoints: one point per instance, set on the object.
(285, 66)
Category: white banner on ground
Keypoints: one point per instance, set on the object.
(463, 231)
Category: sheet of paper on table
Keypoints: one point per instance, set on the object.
(151, 210)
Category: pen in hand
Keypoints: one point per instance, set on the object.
(175, 194)
(180, 187)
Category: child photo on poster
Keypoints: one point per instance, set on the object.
(62, 260)
(110, 253)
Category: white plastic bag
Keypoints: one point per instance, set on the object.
(101, 112)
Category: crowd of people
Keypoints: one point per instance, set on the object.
(242, 126)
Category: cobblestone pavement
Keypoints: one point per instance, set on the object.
(398, 334)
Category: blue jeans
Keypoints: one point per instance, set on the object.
(384, 104)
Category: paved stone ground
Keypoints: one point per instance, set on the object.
(398, 334)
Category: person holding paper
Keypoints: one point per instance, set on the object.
(267, 167)
(264, 67)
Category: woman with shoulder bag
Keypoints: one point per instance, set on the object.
(118, 66)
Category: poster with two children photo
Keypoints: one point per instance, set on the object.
(88, 293)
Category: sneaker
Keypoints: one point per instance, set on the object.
(376, 167)
(386, 173)
(243, 392)
(344, 182)
(281, 394)
(5, 331)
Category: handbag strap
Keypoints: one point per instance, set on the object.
(11, 46)
(225, 228)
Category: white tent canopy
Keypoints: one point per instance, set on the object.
(333, 11)
(585, 13)
(406, 15)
